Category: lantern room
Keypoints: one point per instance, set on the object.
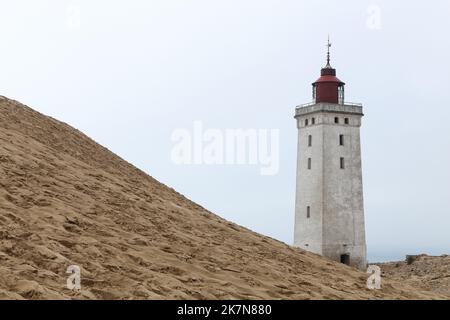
(328, 88)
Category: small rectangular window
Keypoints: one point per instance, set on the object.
(313, 121)
(346, 120)
(341, 139)
(309, 163)
(309, 140)
(308, 212)
(306, 122)
(336, 120)
(342, 163)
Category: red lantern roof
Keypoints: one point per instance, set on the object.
(329, 78)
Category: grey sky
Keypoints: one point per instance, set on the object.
(131, 72)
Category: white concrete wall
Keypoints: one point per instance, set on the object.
(308, 232)
(335, 195)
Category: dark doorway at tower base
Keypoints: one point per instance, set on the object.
(345, 259)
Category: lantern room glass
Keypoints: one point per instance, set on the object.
(314, 93)
(341, 94)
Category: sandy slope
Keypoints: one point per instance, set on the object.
(426, 272)
(66, 200)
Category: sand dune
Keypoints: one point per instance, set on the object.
(65, 200)
(421, 271)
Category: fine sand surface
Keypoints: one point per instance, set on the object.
(65, 200)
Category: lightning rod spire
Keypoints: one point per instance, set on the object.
(328, 53)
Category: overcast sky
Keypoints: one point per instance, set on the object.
(130, 73)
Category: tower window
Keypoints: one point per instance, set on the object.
(309, 140)
(308, 212)
(336, 120)
(341, 139)
(313, 121)
(306, 122)
(346, 120)
(342, 163)
(309, 163)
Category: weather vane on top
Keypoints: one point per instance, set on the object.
(328, 52)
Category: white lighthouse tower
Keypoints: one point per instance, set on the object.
(329, 210)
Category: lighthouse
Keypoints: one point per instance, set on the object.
(329, 208)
